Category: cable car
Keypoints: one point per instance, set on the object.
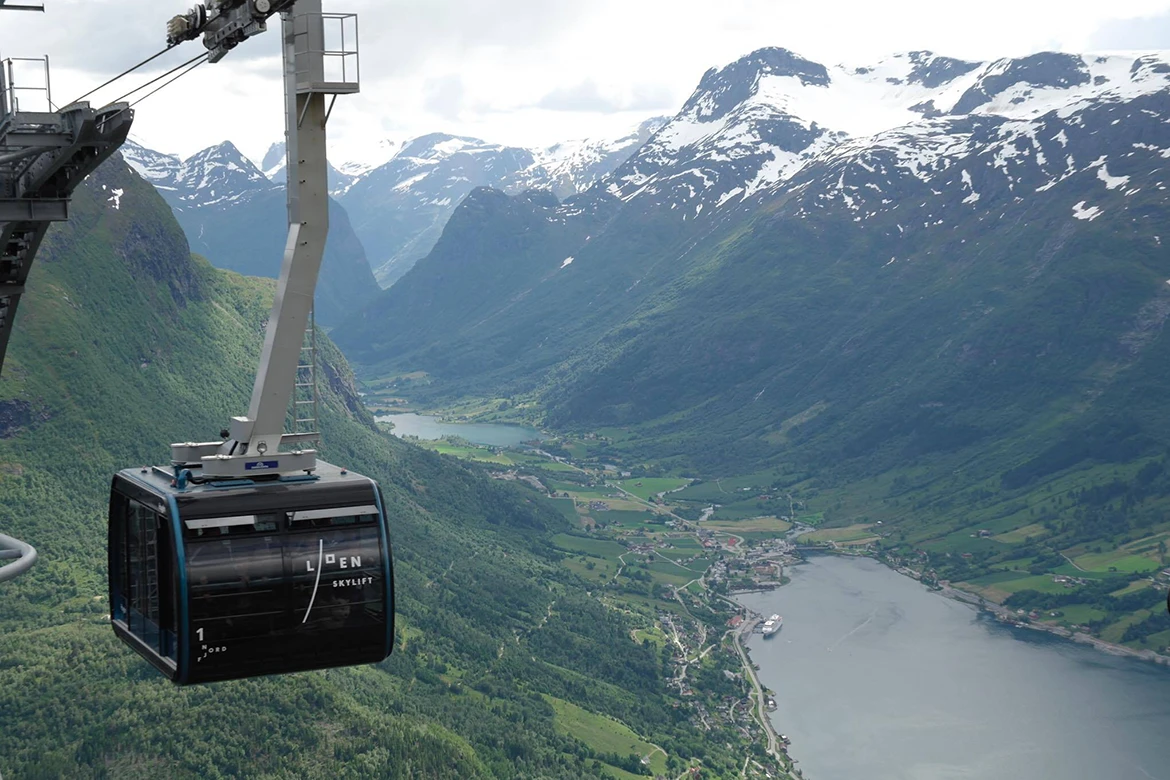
(219, 580)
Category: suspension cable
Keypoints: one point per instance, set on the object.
(195, 63)
(124, 73)
(197, 60)
(190, 65)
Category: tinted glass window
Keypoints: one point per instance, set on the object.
(142, 576)
(236, 583)
(282, 592)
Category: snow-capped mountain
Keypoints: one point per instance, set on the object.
(400, 207)
(909, 176)
(359, 162)
(762, 120)
(571, 167)
(158, 168)
(398, 195)
(1013, 129)
(275, 161)
(214, 176)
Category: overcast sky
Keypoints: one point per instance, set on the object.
(531, 72)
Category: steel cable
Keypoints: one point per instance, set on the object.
(195, 63)
(155, 80)
(146, 61)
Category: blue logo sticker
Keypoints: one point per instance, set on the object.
(261, 464)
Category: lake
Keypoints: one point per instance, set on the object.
(877, 677)
(490, 434)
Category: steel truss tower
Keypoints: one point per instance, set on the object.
(44, 155)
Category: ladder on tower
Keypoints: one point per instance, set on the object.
(305, 409)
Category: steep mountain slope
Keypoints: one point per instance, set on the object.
(236, 217)
(399, 209)
(755, 261)
(127, 343)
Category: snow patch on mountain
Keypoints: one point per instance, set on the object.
(156, 167)
(1090, 213)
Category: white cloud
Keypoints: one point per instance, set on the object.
(486, 67)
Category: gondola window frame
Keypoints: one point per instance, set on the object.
(144, 578)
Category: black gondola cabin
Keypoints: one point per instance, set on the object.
(223, 580)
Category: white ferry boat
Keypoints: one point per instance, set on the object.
(772, 625)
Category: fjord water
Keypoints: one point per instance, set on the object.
(877, 677)
(425, 426)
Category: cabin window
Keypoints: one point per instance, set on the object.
(235, 570)
(144, 577)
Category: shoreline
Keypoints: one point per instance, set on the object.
(1006, 615)
(774, 745)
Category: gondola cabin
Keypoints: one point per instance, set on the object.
(222, 580)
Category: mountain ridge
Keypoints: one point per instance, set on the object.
(236, 217)
(1065, 136)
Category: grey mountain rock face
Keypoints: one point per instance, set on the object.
(399, 208)
(236, 217)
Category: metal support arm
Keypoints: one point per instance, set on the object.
(24, 554)
(308, 229)
(253, 444)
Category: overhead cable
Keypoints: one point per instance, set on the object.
(195, 63)
(190, 65)
(197, 60)
(124, 73)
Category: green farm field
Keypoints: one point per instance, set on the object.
(648, 487)
(601, 548)
(603, 733)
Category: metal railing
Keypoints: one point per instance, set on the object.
(341, 49)
(337, 44)
(13, 89)
(14, 549)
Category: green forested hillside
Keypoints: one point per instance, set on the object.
(125, 344)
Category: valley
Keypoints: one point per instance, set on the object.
(681, 556)
(1110, 593)
(898, 324)
(120, 338)
(879, 347)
